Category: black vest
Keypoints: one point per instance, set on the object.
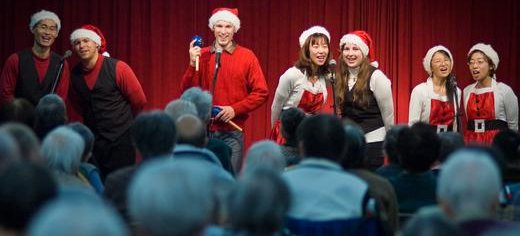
(27, 84)
(369, 118)
(105, 110)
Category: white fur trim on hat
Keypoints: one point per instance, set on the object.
(85, 33)
(224, 15)
(428, 57)
(313, 30)
(41, 15)
(352, 38)
(488, 50)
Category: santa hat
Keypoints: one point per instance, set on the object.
(225, 14)
(94, 34)
(428, 58)
(41, 15)
(363, 40)
(488, 50)
(313, 30)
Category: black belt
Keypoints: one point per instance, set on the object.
(442, 128)
(485, 125)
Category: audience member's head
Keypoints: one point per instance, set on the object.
(356, 148)
(62, 149)
(169, 197)
(50, 113)
(322, 136)
(24, 188)
(191, 131)
(259, 202)
(469, 185)
(390, 143)
(178, 107)
(18, 110)
(154, 134)
(418, 148)
(264, 154)
(430, 225)
(508, 143)
(289, 121)
(202, 101)
(78, 213)
(27, 142)
(450, 142)
(9, 151)
(87, 136)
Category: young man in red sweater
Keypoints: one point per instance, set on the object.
(106, 96)
(239, 86)
(30, 73)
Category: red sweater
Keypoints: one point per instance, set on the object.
(10, 74)
(126, 81)
(240, 82)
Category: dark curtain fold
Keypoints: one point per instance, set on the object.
(153, 37)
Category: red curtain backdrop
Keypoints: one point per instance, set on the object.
(152, 36)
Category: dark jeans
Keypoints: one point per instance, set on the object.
(235, 140)
(113, 155)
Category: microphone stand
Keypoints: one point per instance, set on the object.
(217, 68)
(457, 106)
(58, 76)
(333, 85)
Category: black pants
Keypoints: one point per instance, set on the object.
(112, 155)
(375, 157)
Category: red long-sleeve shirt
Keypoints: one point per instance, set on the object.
(240, 82)
(126, 80)
(10, 74)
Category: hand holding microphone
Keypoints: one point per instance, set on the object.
(196, 42)
(219, 114)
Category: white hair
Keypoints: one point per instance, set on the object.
(62, 150)
(171, 197)
(469, 183)
(267, 154)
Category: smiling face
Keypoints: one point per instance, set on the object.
(441, 64)
(352, 55)
(86, 49)
(479, 66)
(45, 32)
(319, 51)
(224, 32)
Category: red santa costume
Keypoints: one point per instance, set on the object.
(489, 109)
(430, 107)
(295, 89)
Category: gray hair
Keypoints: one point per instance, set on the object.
(62, 149)
(92, 217)
(28, 143)
(469, 183)
(171, 197)
(178, 107)
(266, 154)
(202, 100)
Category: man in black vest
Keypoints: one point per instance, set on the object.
(106, 95)
(30, 73)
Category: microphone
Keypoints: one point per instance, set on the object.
(214, 112)
(66, 55)
(198, 43)
(332, 70)
(217, 58)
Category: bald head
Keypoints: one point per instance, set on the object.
(191, 130)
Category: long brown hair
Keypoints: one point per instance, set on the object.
(304, 61)
(360, 91)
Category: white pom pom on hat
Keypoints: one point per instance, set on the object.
(225, 14)
(313, 30)
(44, 14)
(428, 57)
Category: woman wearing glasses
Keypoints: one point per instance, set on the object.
(490, 105)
